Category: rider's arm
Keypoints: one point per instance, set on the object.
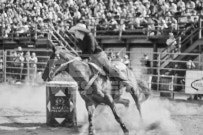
(91, 43)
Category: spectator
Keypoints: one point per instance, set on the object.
(190, 65)
(117, 57)
(111, 55)
(161, 24)
(190, 5)
(171, 43)
(126, 60)
(182, 82)
(26, 64)
(174, 24)
(77, 14)
(181, 5)
(172, 7)
(190, 23)
(120, 27)
(113, 24)
(146, 63)
(198, 7)
(151, 27)
(194, 15)
(174, 72)
(33, 67)
(18, 63)
(17, 16)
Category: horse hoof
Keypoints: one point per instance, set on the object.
(126, 132)
(92, 132)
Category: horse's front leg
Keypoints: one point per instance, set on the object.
(110, 102)
(136, 99)
(90, 108)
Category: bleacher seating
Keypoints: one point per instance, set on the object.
(132, 17)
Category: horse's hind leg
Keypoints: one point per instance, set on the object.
(90, 108)
(109, 101)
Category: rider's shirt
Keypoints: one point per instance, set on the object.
(89, 45)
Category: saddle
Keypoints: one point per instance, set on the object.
(118, 66)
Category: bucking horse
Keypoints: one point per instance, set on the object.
(94, 86)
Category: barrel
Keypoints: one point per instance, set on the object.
(61, 104)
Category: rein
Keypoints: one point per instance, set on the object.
(52, 74)
(91, 81)
(62, 66)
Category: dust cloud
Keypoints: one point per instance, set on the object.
(27, 100)
(157, 118)
(21, 100)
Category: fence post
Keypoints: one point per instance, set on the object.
(171, 87)
(200, 28)
(4, 65)
(158, 71)
(28, 71)
(199, 61)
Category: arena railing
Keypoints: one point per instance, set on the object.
(156, 72)
(2, 66)
(14, 71)
(179, 23)
(184, 41)
(156, 77)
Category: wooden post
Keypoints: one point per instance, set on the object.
(200, 28)
(171, 87)
(154, 58)
(199, 61)
(4, 65)
(28, 70)
(158, 70)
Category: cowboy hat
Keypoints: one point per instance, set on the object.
(79, 27)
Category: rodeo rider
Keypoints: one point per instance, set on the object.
(91, 50)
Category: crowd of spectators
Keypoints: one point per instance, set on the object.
(23, 65)
(112, 56)
(21, 16)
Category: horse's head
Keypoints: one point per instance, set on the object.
(58, 57)
(64, 53)
(70, 63)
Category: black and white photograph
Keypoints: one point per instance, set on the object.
(101, 67)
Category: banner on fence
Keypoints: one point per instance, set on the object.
(194, 82)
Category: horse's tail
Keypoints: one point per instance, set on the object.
(143, 90)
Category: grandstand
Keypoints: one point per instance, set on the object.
(134, 27)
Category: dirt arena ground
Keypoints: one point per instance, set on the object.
(23, 112)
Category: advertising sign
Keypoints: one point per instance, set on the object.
(194, 82)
